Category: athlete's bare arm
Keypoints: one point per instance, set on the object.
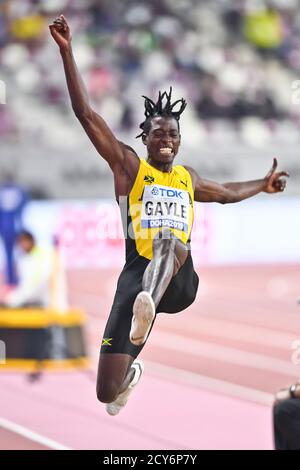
(209, 191)
(121, 158)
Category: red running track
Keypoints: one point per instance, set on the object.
(210, 371)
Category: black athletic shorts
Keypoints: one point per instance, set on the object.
(180, 293)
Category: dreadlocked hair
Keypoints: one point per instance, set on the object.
(161, 109)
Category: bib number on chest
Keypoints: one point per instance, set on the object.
(163, 206)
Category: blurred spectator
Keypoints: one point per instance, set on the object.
(58, 291)
(263, 28)
(13, 199)
(41, 277)
(234, 62)
(28, 27)
(158, 42)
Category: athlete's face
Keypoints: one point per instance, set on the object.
(163, 140)
(25, 244)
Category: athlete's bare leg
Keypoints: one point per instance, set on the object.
(169, 254)
(114, 370)
(114, 376)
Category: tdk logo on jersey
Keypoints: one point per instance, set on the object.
(155, 192)
(166, 192)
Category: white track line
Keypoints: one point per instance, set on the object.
(179, 343)
(32, 436)
(208, 383)
(242, 332)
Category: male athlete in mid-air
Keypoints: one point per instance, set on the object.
(158, 275)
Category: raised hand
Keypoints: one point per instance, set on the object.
(275, 181)
(60, 32)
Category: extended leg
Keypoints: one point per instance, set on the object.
(169, 254)
(114, 376)
(118, 374)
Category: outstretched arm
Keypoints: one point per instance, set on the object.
(113, 151)
(209, 191)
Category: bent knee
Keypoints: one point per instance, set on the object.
(107, 391)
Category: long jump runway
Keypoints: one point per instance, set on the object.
(209, 379)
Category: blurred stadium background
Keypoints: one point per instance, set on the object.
(210, 372)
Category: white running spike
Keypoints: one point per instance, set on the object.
(115, 407)
(143, 316)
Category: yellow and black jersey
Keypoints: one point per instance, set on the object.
(158, 200)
